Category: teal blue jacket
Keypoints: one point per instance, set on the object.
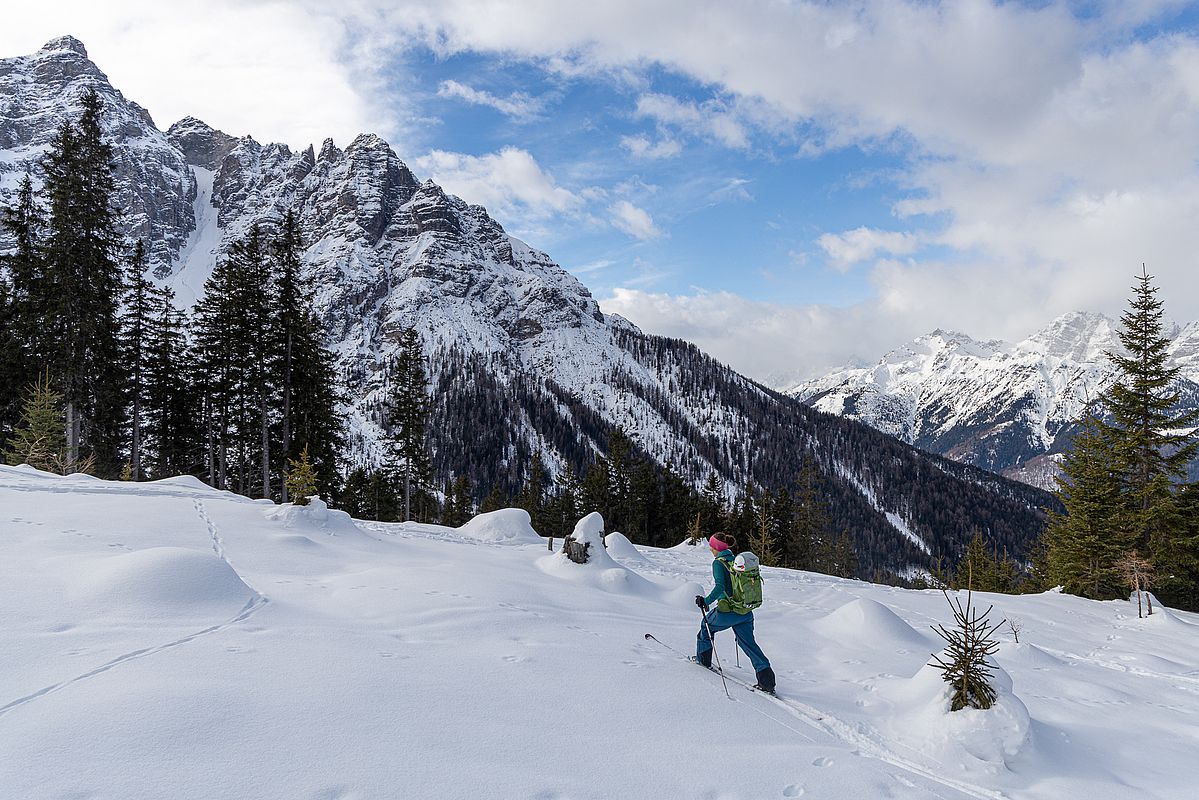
(720, 574)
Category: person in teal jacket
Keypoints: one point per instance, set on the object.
(721, 545)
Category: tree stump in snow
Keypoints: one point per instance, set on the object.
(575, 551)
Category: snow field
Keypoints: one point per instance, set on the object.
(168, 640)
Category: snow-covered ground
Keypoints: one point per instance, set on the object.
(166, 640)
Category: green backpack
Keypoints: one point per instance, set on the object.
(746, 579)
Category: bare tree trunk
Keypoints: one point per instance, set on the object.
(136, 455)
(286, 411)
(72, 436)
(266, 449)
(407, 489)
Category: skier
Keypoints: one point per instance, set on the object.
(721, 545)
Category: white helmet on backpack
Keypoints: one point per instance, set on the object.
(744, 561)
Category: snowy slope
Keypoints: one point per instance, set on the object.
(168, 640)
(995, 405)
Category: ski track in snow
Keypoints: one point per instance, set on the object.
(862, 742)
(251, 607)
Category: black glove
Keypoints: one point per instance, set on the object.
(699, 601)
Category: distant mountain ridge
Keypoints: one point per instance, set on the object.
(522, 358)
(1008, 408)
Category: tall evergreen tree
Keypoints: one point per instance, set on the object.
(808, 543)
(711, 506)
(25, 334)
(564, 508)
(307, 378)
(173, 408)
(532, 497)
(135, 351)
(409, 419)
(85, 281)
(1153, 440)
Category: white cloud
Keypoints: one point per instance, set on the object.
(517, 105)
(634, 221)
(510, 184)
(863, 244)
(776, 344)
(642, 146)
(711, 119)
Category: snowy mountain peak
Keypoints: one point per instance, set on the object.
(994, 405)
(202, 145)
(1077, 336)
(155, 186)
(64, 43)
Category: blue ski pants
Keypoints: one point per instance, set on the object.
(743, 629)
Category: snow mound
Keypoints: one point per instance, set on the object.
(619, 547)
(506, 526)
(601, 571)
(316, 516)
(1028, 655)
(185, 482)
(980, 742)
(869, 622)
(161, 581)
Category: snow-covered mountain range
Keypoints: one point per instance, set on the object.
(387, 250)
(1008, 408)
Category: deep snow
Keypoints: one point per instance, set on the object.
(167, 640)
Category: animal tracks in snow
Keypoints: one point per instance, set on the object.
(250, 608)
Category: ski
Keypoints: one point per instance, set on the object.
(748, 686)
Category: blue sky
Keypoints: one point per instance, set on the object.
(791, 185)
(739, 217)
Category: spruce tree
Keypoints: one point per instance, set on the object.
(173, 425)
(494, 501)
(711, 506)
(354, 494)
(408, 411)
(532, 497)
(39, 438)
(85, 281)
(764, 539)
(25, 324)
(808, 544)
(1152, 439)
(564, 509)
(458, 508)
(1083, 545)
(301, 478)
(135, 351)
(307, 382)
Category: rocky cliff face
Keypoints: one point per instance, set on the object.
(155, 188)
(1006, 408)
(386, 250)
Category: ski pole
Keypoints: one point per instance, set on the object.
(715, 655)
